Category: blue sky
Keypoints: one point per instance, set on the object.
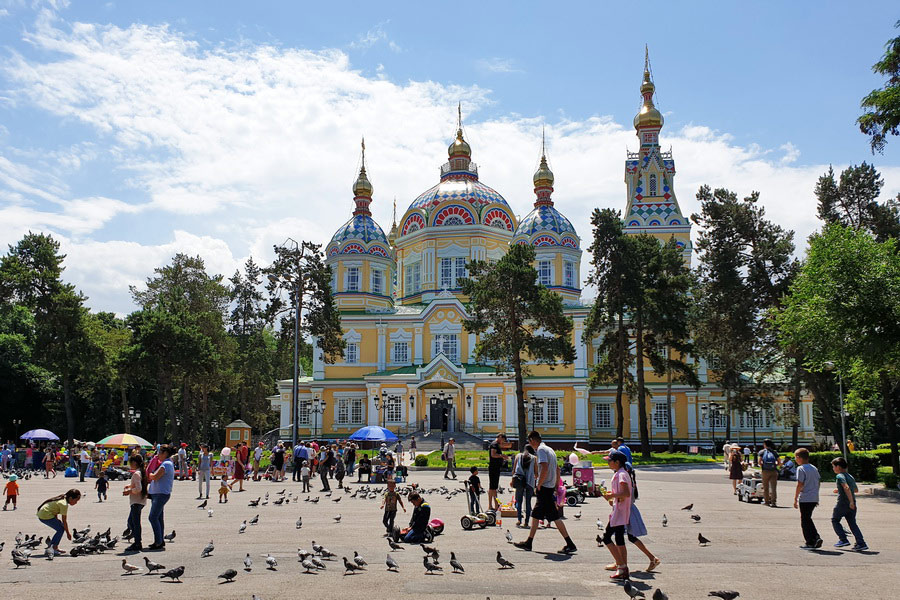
(135, 130)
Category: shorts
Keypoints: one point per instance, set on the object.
(545, 509)
(493, 479)
(618, 531)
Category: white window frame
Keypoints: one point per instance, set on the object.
(412, 281)
(400, 353)
(569, 274)
(606, 408)
(489, 408)
(351, 279)
(357, 411)
(660, 415)
(377, 281)
(459, 271)
(303, 411)
(393, 409)
(342, 411)
(445, 273)
(446, 344)
(543, 415)
(351, 353)
(545, 279)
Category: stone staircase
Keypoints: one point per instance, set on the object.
(431, 442)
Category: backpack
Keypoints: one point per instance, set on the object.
(769, 460)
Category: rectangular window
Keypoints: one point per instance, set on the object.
(393, 410)
(490, 409)
(343, 411)
(413, 279)
(719, 416)
(303, 412)
(401, 352)
(351, 353)
(235, 434)
(660, 415)
(544, 272)
(603, 416)
(377, 281)
(352, 279)
(551, 411)
(356, 411)
(447, 344)
(446, 273)
(460, 272)
(570, 274)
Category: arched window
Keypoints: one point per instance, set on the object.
(653, 185)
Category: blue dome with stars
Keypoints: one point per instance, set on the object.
(360, 228)
(545, 219)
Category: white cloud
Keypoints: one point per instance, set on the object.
(374, 36)
(235, 148)
(497, 65)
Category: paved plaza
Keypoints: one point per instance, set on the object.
(754, 549)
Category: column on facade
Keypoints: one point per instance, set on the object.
(580, 348)
(412, 414)
(418, 344)
(372, 415)
(382, 350)
(633, 419)
(582, 425)
(472, 340)
(318, 359)
(511, 413)
(469, 418)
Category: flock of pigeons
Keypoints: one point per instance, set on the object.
(312, 560)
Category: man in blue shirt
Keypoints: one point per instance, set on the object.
(159, 491)
(299, 457)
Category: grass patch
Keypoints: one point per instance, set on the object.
(478, 458)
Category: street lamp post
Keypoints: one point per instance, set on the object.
(16, 423)
(534, 405)
(440, 396)
(713, 412)
(830, 366)
(316, 407)
(130, 417)
(756, 411)
(288, 279)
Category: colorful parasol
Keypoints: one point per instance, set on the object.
(123, 440)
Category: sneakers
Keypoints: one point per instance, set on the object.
(653, 564)
(134, 548)
(818, 543)
(842, 544)
(161, 546)
(569, 549)
(524, 545)
(806, 547)
(860, 547)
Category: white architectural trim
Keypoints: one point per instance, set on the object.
(352, 336)
(445, 326)
(400, 335)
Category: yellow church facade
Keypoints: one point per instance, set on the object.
(409, 362)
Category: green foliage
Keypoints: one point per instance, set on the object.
(853, 202)
(863, 467)
(889, 480)
(882, 106)
(422, 460)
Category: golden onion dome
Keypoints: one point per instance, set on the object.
(459, 147)
(543, 177)
(648, 116)
(362, 186)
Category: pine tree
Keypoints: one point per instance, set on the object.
(882, 106)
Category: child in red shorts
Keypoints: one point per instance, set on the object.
(12, 491)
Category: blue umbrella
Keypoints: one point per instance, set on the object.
(373, 433)
(39, 434)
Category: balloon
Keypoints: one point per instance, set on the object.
(226, 452)
(573, 459)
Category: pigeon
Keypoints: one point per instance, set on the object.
(317, 548)
(1, 546)
(253, 502)
(20, 560)
(254, 520)
(203, 504)
(504, 564)
(665, 520)
(509, 538)
(49, 553)
(267, 496)
(319, 564)
(308, 564)
(696, 518)
(299, 522)
(127, 535)
(457, 568)
(19, 538)
(429, 550)
(336, 500)
(703, 541)
(577, 515)
(315, 500)
(725, 594)
(248, 563)
(632, 591)
(243, 527)
(208, 550)
(350, 567)
(360, 562)
(599, 524)
(430, 567)
(391, 564)
(129, 569)
(209, 513)
(658, 594)
(278, 502)
(152, 566)
(337, 518)
(599, 541)
(394, 545)
(170, 537)
(271, 563)
(174, 574)
(326, 553)
(228, 575)
(688, 507)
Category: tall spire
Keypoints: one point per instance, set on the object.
(543, 177)
(362, 189)
(459, 149)
(648, 116)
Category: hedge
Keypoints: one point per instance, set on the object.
(863, 467)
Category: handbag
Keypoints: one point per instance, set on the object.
(517, 481)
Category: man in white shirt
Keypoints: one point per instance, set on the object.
(450, 457)
(84, 460)
(257, 456)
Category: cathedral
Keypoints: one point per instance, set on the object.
(409, 363)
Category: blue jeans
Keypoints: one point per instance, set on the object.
(414, 537)
(844, 512)
(524, 492)
(134, 522)
(158, 501)
(350, 466)
(474, 504)
(57, 526)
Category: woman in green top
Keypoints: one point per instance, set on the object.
(58, 505)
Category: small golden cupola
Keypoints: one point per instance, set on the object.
(543, 178)
(362, 188)
(648, 116)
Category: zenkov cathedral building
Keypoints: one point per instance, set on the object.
(409, 362)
